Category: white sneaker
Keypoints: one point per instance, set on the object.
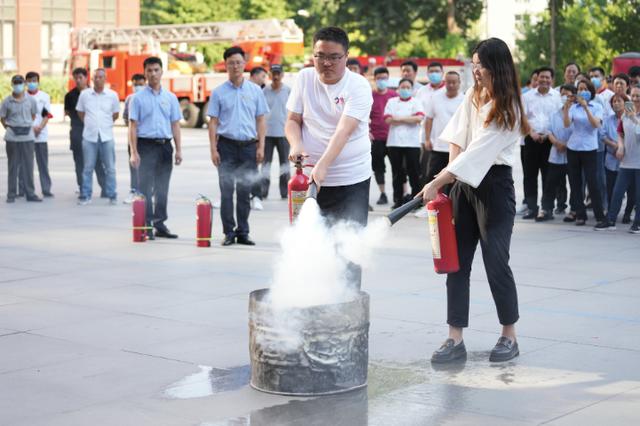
(129, 199)
(215, 204)
(256, 204)
(84, 201)
(422, 213)
(522, 209)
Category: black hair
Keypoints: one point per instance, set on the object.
(152, 60)
(622, 76)
(411, 64)
(17, 79)
(256, 70)
(534, 72)
(380, 70)
(353, 61)
(453, 73)
(590, 87)
(570, 87)
(547, 69)
(572, 63)
(82, 71)
(32, 74)
(599, 69)
(234, 50)
(333, 34)
(435, 64)
(138, 77)
(402, 80)
(622, 96)
(634, 71)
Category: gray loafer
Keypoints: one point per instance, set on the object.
(504, 350)
(449, 352)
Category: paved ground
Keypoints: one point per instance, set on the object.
(97, 330)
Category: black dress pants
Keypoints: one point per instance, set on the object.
(484, 214)
(536, 159)
(554, 186)
(378, 152)
(437, 162)
(156, 164)
(404, 160)
(580, 162)
(282, 146)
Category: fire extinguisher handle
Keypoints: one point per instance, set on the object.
(403, 210)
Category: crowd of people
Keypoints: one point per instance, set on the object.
(587, 130)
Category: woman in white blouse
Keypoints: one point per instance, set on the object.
(483, 135)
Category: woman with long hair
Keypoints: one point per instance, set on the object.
(483, 135)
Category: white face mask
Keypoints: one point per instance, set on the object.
(563, 99)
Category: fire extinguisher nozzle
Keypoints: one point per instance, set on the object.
(312, 192)
(403, 210)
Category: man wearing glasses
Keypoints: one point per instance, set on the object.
(237, 133)
(328, 122)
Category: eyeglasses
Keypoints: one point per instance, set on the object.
(328, 58)
(235, 63)
(476, 66)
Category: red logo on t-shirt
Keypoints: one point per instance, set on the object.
(339, 100)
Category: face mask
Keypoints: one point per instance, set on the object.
(32, 86)
(382, 84)
(435, 78)
(404, 93)
(596, 82)
(586, 95)
(136, 89)
(563, 99)
(18, 88)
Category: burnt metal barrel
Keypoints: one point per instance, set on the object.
(315, 350)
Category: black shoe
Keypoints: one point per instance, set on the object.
(396, 205)
(382, 200)
(626, 219)
(544, 216)
(605, 225)
(245, 240)
(370, 208)
(47, 195)
(20, 194)
(635, 229)
(165, 233)
(35, 199)
(11, 199)
(570, 217)
(530, 214)
(150, 235)
(449, 352)
(504, 350)
(580, 222)
(407, 198)
(229, 240)
(559, 210)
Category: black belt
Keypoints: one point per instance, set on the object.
(156, 141)
(237, 142)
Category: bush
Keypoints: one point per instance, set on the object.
(54, 86)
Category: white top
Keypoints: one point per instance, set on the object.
(322, 106)
(604, 98)
(441, 109)
(43, 100)
(482, 146)
(404, 135)
(98, 111)
(424, 95)
(539, 109)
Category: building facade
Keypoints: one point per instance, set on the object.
(34, 34)
(502, 18)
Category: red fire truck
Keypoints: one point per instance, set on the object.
(121, 52)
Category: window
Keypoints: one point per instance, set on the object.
(7, 35)
(57, 17)
(102, 13)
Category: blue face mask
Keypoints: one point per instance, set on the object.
(382, 84)
(435, 78)
(136, 89)
(596, 82)
(32, 86)
(405, 93)
(585, 94)
(18, 88)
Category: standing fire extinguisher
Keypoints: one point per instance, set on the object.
(443, 234)
(204, 221)
(298, 186)
(138, 208)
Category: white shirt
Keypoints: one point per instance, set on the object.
(43, 100)
(482, 146)
(321, 106)
(404, 135)
(604, 98)
(539, 109)
(441, 109)
(424, 95)
(98, 111)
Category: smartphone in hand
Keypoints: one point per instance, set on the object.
(628, 105)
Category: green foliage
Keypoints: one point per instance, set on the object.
(155, 12)
(260, 9)
(623, 25)
(55, 86)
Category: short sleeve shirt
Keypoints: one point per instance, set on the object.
(322, 106)
(154, 112)
(556, 126)
(98, 111)
(441, 109)
(277, 103)
(404, 135)
(44, 107)
(70, 103)
(237, 108)
(610, 131)
(18, 115)
(380, 129)
(584, 137)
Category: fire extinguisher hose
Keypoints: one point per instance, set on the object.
(403, 210)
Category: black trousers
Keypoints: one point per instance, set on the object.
(20, 164)
(437, 162)
(156, 164)
(535, 159)
(347, 203)
(404, 160)
(78, 161)
(237, 170)
(611, 177)
(282, 146)
(484, 214)
(378, 152)
(555, 185)
(580, 162)
(424, 166)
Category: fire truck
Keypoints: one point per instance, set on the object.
(121, 52)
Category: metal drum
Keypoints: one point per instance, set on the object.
(317, 350)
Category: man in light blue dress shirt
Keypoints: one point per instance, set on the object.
(236, 135)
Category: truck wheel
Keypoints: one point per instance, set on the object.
(204, 118)
(190, 114)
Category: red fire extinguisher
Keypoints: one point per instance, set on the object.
(298, 186)
(138, 207)
(204, 221)
(443, 235)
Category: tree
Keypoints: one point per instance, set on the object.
(260, 9)
(154, 12)
(623, 27)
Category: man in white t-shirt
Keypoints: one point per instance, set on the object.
(40, 131)
(328, 122)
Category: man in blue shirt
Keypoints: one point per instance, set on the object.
(154, 118)
(236, 135)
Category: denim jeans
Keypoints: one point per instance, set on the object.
(626, 177)
(90, 153)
